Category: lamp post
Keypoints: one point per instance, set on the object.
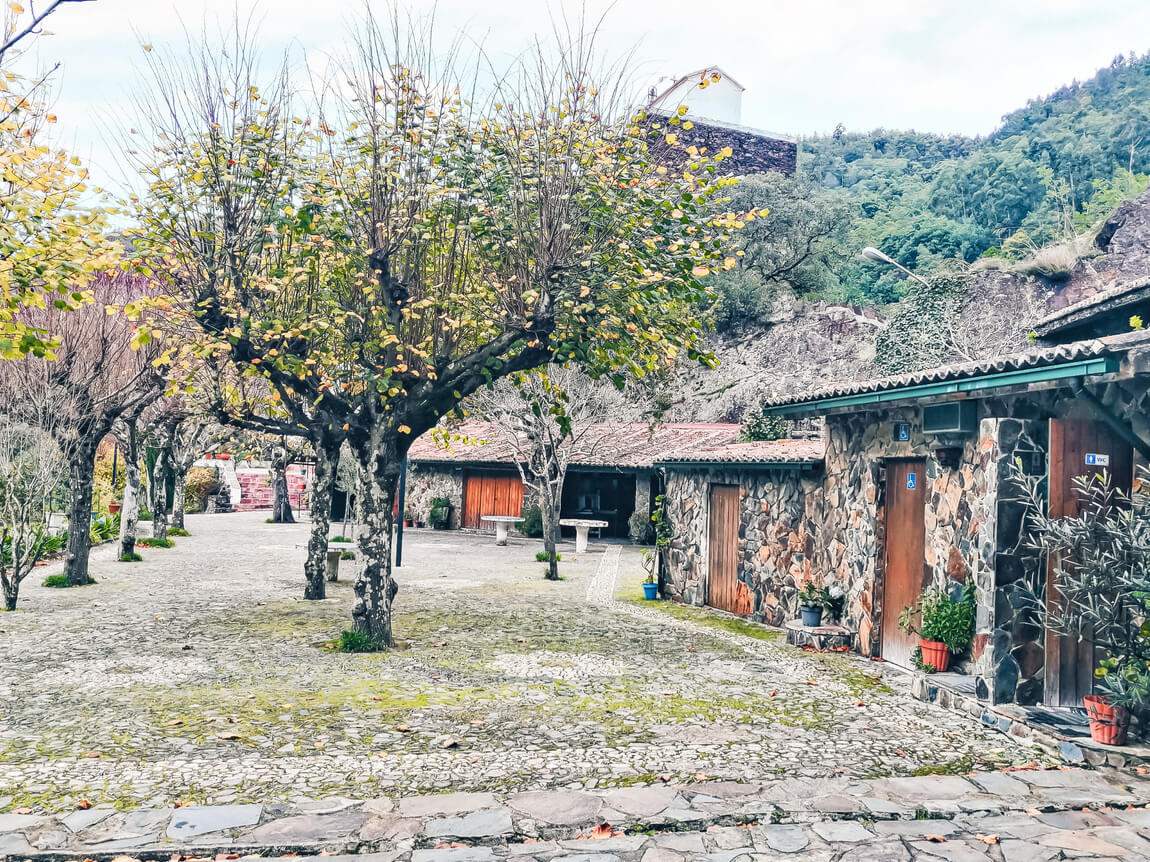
(872, 253)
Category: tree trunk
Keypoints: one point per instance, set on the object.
(80, 475)
(550, 514)
(160, 496)
(380, 462)
(179, 497)
(281, 504)
(321, 490)
(130, 511)
(11, 590)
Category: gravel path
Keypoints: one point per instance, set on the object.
(200, 676)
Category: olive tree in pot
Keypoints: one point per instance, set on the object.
(944, 624)
(1102, 574)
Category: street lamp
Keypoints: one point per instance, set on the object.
(872, 253)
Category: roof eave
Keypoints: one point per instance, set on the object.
(1093, 366)
(743, 465)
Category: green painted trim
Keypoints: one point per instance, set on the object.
(1079, 368)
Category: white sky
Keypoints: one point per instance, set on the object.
(931, 65)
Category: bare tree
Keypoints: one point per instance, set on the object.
(31, 471)
(548, 416)
(195, 435)
(98, 376)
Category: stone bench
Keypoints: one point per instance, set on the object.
(820, 637)
(335, 550)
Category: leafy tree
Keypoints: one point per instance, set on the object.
(416, 243)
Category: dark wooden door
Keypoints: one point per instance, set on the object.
(905, 554)
(490, 494)
(1070, 661)
(724, 590)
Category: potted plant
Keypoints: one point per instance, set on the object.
(650, 585)
(1102, 576)
(812, 600)
(944, 624)
(409, 516)
(440, 515)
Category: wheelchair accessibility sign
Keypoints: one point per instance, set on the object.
(911, 481)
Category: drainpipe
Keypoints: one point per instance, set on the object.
(399, 516)
(1122, 429)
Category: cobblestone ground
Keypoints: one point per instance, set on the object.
(199, 676)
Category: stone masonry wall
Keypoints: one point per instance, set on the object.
(427, 481)
(774, 536)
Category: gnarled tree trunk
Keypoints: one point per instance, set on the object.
(179, 498)
(550, 500)
(130, 511)
(380, 463)
(160, 495)
(281, 504)
(81, 470)
(321, 491)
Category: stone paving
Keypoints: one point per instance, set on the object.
(198, 678)
(1021, 815)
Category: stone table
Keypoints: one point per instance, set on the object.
(581, 525)
(501, 522)
(335, 550)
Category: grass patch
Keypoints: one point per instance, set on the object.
(544, 557)
(712, 619)
(131, 557)
(178, 531)
(149, 542)
(61, 582)
(341, 539)
(353, 641)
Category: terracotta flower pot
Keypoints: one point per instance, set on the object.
(114, 507)
(1108, 724)
(936, 654)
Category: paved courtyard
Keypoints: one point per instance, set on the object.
(198, 676)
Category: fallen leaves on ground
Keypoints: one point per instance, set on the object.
(989, 840)
(83, 805)
(937, 839)
(450, 743)
(228, 734)
(403, 728)
(603, 830)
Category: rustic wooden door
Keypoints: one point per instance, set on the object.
(724, 589)
(905, 554)
(1078, 447)
(490, 494)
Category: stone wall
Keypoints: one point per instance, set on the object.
(428, 481)
(774, 536)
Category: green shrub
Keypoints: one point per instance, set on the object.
(131, 557)
(202, 483)
(340, 539)
(532, 524)
(440, 514)
(641, 528)
(104, 528)
(144, 515)
(149, 542)
(544, 557)
(178, 531)
(758, 426)
(347, 555)
(61, 581)
(353, 641)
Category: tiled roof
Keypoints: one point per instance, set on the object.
(758, 452)
(1116, 297)
(1034, 358)
(628, 445)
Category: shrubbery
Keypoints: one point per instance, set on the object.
(532, 524)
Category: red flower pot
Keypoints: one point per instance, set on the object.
(1108, 724)
(114, 507)
(936, 654)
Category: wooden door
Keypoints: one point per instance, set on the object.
(486, 493)
(724, 589)
(905, 554)
(1076, 445)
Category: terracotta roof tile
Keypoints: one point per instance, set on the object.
(630, 445)
(757, 452)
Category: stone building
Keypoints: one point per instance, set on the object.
(919, 484)
(712, 101)
(611, 473)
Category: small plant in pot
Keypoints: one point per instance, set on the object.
(409, 516)
(943, 623)
(650, 585)
(812, 600)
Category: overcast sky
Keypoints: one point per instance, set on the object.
(943, 66)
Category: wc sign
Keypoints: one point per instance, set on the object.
(1093, 459)
(911, 481)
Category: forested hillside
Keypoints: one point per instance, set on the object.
(998, 225)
